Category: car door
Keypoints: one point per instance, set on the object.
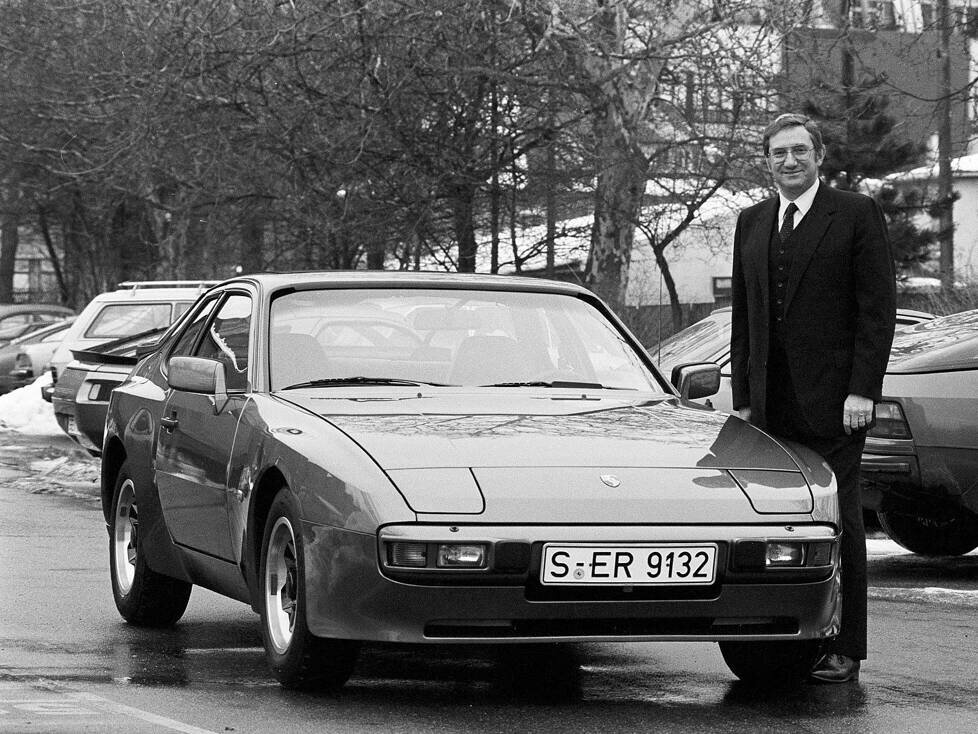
(197, 433)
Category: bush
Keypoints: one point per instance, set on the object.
(941, 302)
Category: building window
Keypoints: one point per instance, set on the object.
(887, 16)
(926, 15)
(722, 288)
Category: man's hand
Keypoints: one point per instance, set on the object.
(857, 413)
(744, 414)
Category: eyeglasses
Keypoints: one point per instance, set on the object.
(799, 152)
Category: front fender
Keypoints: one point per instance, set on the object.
(335, 481)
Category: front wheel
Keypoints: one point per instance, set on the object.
(952, 535)
(774, 663)
(142, 596)
(297, 658)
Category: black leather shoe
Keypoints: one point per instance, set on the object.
(834, 668)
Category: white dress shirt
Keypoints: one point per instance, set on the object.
(803, 202)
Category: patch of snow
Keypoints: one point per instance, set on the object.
(25, 411)
(883, 546)
(927, 595)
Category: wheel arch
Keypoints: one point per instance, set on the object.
(266, 489)
(113, 457)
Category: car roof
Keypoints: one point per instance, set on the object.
(303, 280)
(7, 309)
(156, 290)
(44, 331)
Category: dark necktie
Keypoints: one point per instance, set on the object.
(788, 223)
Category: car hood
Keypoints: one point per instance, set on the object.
(943, 344)
(491, 453)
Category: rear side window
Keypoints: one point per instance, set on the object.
(125, 319)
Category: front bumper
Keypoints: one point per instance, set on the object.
(349, 596)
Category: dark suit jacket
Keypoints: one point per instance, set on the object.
(840, 307)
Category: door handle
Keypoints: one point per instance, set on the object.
(169, 423)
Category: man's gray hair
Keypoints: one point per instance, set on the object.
(793, 119)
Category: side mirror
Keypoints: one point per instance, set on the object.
(196, 374)
(695, 381)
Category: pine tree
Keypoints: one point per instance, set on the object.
(863, 142)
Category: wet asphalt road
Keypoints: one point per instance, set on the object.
(69, 664)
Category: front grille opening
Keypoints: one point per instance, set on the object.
(625, 627)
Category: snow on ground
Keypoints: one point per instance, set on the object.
(53, 465)
(25, 411)
(880, 545)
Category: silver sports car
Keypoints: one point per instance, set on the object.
(430, 458)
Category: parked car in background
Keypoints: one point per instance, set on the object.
(26, 358)
(133, 308)
(83, 389)
(19, 319)
(465, 459)
(920, 466)
(708, 340)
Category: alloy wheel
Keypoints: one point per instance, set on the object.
(281, 584)
(125, 539)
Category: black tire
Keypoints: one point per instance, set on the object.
(776, 663)
(298, 659)
(142, 596)
(952, 535)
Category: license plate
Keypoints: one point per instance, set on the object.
(629, 565)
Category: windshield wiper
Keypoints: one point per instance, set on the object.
(359, 380)
(556, 383)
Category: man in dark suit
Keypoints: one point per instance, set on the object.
(814, 307)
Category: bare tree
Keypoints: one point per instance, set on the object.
(622, 58)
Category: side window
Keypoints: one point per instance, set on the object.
(226, 339)
(180, 308)
(185, 344)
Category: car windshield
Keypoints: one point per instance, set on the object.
(362, 337)
(705, 341)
